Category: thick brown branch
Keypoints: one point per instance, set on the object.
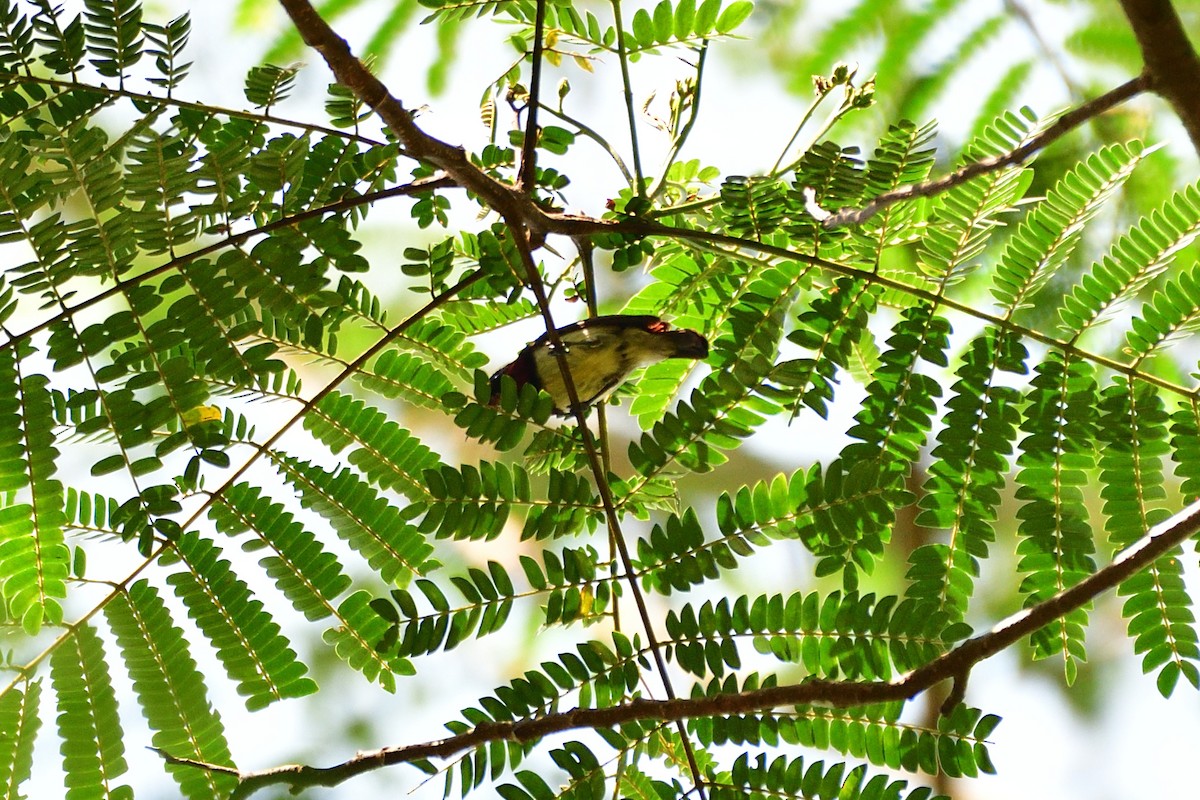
(351, 73)
(1172, 66)
(1061, 126)
(955, 664)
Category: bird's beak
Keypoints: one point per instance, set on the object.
(689, 344)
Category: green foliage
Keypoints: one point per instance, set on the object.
(114, 32)
(1134, 261)
(1043, 242)
(365, 519)
(832, 636)
(199, 349)
(169, 688)
(19, 712)
(92, 746)
(903, 156)
(488, 595)
(966, 215)
(249, 643)
(956, 747)
(1056, 538)
(962, 494)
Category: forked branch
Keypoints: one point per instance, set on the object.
(526, 224)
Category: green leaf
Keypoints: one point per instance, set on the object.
(19, 718)
(643, 28)
(706, 17)
(170, 690)
(1043, 242)
(248, 640)
(664, 21)
(685, 15)
(734, 15)
(92, 740)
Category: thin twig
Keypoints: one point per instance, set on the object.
(527, 178)
(595, 136)
(639, 188)
(1051, 54)
(955, 664)
(600, 476)
(587, 262)
(682, 135)
(804, 118)
(1063, 125)
(143, 100)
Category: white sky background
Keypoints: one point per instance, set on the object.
(1042, 749)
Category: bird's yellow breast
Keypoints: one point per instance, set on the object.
(600, 360)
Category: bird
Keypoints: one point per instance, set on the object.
(600, 352)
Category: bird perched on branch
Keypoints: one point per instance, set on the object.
(600, 352)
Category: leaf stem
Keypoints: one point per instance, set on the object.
(682, 136)
(592, 134)
(639, 187)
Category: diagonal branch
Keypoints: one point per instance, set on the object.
(351, 73)
(585, 226)
(525, 223)
(1063, 125)
(955, 664)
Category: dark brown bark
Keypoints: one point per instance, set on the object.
(1172, 66)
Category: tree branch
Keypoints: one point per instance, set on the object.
(1172, 66)
(955, 664)
(527, 224)
(527, 179)
(351, 73)
(582, 226)
(1063, 125)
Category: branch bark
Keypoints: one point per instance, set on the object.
(955, 665)
(1062, 126)
(351, 73)
(1171, 64)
